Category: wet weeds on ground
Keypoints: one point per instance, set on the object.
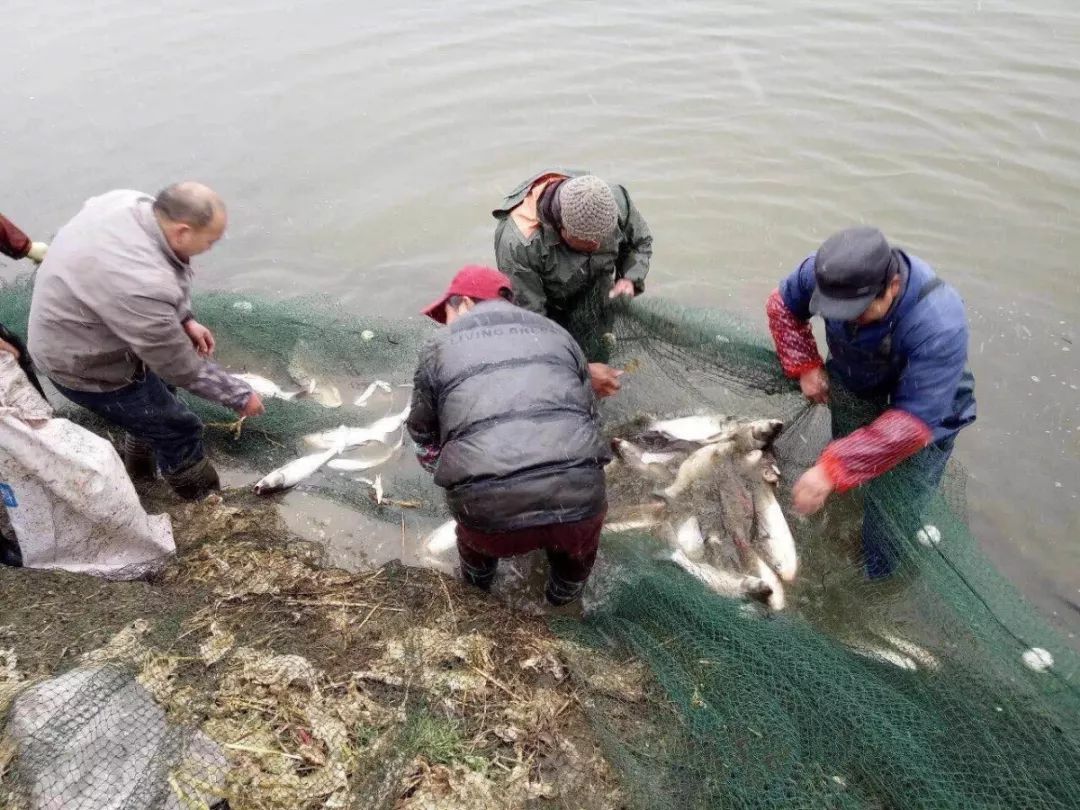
(394, 687)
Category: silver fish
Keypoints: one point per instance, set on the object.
(920, 655)
(883, 655)
(719, 580)
(268, 388)
(362, 400)
(776, 598)
(737, 554)
(377, 431)
(641, 516)
(358, 464)
(701, 429)
(631, 525)
(756, 434)
(442, 539)
(296, 470)
(439, 549)
(635, 458)
(697, 466)
(774, 536)
(687, 538)
(326, 395)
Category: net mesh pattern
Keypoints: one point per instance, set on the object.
(251, 674)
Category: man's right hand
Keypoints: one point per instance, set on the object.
(253, 406)
(815, 385)
(605, 379)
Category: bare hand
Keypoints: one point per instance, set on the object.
(811, 490)
(7, 347)
(201, 337)
(622, 287)
(253, 406)
(815, 385)
(605, 379)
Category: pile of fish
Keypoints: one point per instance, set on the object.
(374, 439)
(323, 393)
(715, 501)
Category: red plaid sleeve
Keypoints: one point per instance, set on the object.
(874, 449)
(13, 242)
(794, 339)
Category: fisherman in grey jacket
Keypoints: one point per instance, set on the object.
(111, 325)
(504, 414)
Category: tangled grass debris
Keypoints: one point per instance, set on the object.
(322, 688)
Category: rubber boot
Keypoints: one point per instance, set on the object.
(481, 577)
(561, 591)
(195, 482)
(138, 458)
(10, 553)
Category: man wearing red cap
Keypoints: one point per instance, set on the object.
(503, 413)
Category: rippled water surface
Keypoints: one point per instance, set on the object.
(361, 145)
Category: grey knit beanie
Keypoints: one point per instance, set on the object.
(589, 211)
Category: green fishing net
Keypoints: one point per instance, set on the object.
(938, 687)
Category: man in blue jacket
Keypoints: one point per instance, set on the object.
(897, 339)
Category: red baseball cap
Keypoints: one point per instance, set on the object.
(477, 282)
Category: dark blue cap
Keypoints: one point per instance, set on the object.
(852, 268)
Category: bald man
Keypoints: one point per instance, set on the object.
(111, 325)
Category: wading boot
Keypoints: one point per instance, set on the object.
(138, 458)
(480, 576)
(561, 591)
(10, 553)
(195, 482)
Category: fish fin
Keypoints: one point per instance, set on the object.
(341, 440)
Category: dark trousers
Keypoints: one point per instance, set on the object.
(570, 547)
(151, 412)
(893, 503)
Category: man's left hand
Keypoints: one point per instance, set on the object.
(622, 287)
(201, 337)
(811, 490)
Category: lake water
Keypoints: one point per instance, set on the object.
(361, 146)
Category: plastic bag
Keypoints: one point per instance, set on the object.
(67, 494)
